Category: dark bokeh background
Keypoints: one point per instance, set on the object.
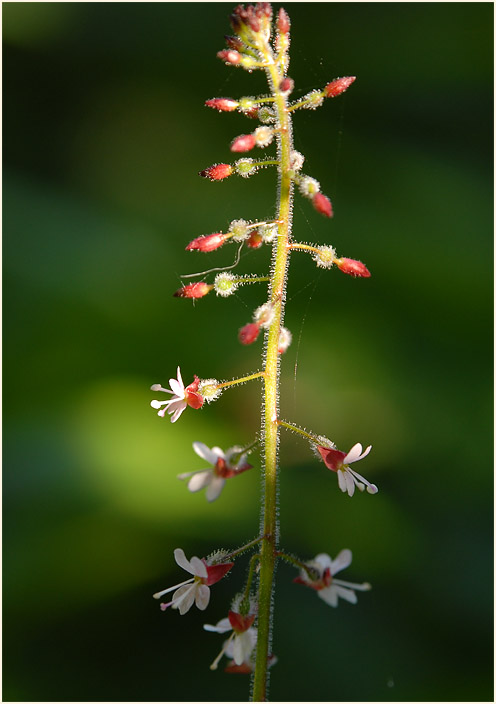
(104, 133)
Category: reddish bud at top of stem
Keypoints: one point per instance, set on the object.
(249, 333)
(196, 290)
(222, 104)
(322, 205)
(207, 243)
(338, 86)
(243, 143)
(255, 240)
(286, 85)
(352, 267)
(230, 56)
(283, 21)
(217, 172)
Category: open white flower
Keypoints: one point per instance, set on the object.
(224, 466)
(182, 397)
(328, 588)
(196, 589)
(339, 462)
(243, 639)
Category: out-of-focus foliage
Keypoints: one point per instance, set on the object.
(104, 133)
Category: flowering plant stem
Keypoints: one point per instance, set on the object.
(270, 429)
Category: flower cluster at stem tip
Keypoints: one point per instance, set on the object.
(260, 41)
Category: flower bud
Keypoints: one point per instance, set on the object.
(255, 240)
(264, 315)
(352, 267)
(283, 21)
(338, 86)
(222, 104)
(225, 284)
(230, 56)
(243, 143)
(263, 136)
(286, 85)
(207, 243)
(196, 290)
(249, 333)
(217, 172)
(285, 338)
(234, 42)
(322, 205)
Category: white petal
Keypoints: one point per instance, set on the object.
(181, 560)
(186, 600)
(215, 488)
(222, 626)
(346, 594)
(179, 377)
(341, 562)
(322, 562)
(350, 483)
(186, 475)
(178, 411)
(329, 595)
(218, 452)
(242, 647)
(199, 567)
(176, 387)
(202, 597)
(200, 480)
(341, 480)
(355, 454)
(205, 453)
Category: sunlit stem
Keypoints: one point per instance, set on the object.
(307, 247)
(225, 384)
(296, 429)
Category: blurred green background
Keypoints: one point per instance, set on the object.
(104, 133)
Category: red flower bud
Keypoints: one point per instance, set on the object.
(254, 240)
(352, 267)
(229, 56)
(286, 85)
(207, 243)
(197, 290)
(338, 86)
(222, 104)
(322, 205)
(249, 333)
(283, 21)
(217, 172)
(234, 42)
(240, 623)
(243, 143)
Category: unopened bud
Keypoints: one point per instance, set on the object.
(249, 333)
(207, 243)
(335, 88)
(243, 143)
(230, 56)
(197, 290)
(225, 284)
(222, 104)
(283, 21)
(217, 172)
(352, 267)
(264, 315)
(322, 205)
(245, 167)
(234, 42)
(285, 338)
(255, 240)
(263, 136)
(286, 85)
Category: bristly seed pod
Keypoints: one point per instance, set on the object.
(338, 86)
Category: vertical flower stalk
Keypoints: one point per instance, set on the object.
(261, 42)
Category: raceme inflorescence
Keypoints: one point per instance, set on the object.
(260, 41)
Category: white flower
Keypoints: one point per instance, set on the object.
(224, 466)
(339, 462)
(196, 589)
(181, 397)
(240, 645)
(328, 588)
